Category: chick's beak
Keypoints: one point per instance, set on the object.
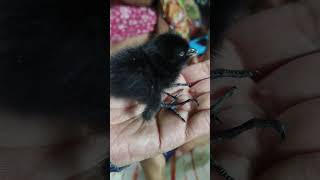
(192, 52)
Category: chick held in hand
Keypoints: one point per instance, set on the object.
(142, 73)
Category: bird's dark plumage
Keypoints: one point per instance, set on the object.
(142, 73)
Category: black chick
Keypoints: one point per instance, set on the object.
(142, 73)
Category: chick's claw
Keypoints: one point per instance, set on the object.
(174, 97)
(173, 106)
(253, 123)
(185, 102)
(221, 171)
(181, 84)
(222, 73)
(176, 113)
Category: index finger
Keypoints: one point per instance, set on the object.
(196, 72)
(284, 33)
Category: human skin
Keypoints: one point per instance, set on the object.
(132, 139)
(159, 143)
(284, 41)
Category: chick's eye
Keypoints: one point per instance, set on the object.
(181, 53)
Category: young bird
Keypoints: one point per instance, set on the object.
(142, 73)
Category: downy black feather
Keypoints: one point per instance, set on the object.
(142, 73)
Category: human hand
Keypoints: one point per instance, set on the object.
(132, 139)
(287, 52)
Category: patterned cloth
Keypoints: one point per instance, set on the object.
(182, 15)
(129, 21)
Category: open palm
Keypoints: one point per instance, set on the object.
(132, 139)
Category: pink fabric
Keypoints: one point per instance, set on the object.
(128, 21)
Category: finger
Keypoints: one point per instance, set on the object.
(200, 141)
(154, 168)
(198, 125)
(302, 166)
(246, 144)
(171, 130)
(175, 132)
(288, 31)
(200, 88)
(204, 102)
(228, 57)
(196, 72)
(273, 94)
(240, 97)
(302, 125)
